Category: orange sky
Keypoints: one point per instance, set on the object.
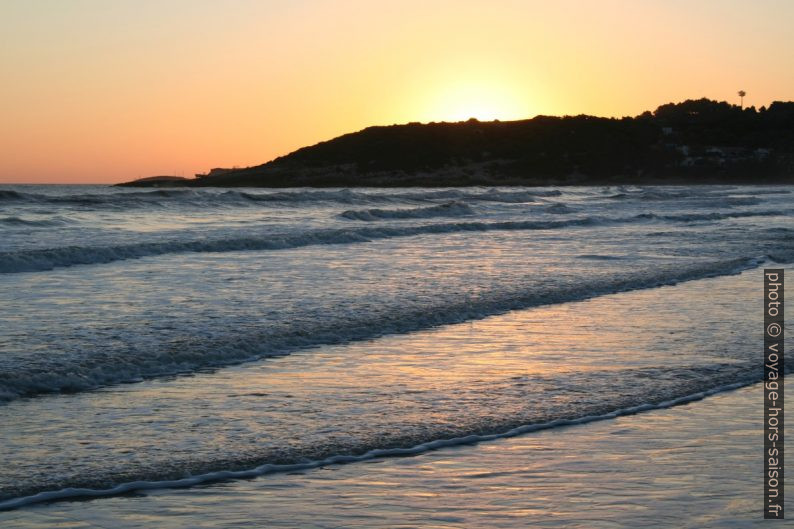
(98, 91)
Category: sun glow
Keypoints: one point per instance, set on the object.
(485, 101)
(97, 91)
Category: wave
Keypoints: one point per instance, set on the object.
(651, 195)
(40, 260)
(373, 453)
(99, 200)
(18, 221)
(51, 258)
(559, 208)
(7, 195)
(705, 198)
(348, 196)
(509, 197)
(57, 373)
(449, 209)
(599, 257)
(700, 217)
(667, 194)
(233, 197)
(737, 201)
(342, 196)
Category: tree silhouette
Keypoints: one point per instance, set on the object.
(741, 93)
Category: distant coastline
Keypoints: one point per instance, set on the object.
(694, 142)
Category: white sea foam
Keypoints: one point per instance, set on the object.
(448, 209)
(53, 373)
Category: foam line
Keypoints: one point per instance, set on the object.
(226, 475)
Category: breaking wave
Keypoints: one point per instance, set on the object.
(39, 260)
(75, 373)
(449, 209)
(18, 221)
(48, 259)
(161, 198)
(739, 378)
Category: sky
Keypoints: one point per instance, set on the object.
(103, 91)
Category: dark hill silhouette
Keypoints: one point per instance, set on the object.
(697, 141)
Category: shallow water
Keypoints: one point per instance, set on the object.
(692, 466)
(217, 330)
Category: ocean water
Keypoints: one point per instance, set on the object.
(695, 466)
(170, 337)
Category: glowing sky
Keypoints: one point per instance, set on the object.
(105, 91)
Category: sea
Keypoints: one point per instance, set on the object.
(378, 357)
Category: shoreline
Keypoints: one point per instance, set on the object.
(681, 389)
(342, 459)
(558, 459)
(415, 383)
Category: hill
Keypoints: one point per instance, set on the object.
(697, 141)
